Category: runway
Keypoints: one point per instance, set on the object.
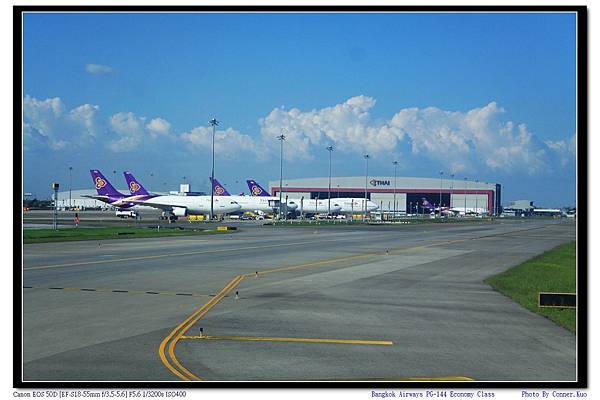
(351, 303)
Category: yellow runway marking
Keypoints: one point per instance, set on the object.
(303, 340)
(178, 333)
(172, 339)
(437, 378)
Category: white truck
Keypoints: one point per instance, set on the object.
(126, 214)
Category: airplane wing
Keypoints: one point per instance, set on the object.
(96, 197)
(155, 204)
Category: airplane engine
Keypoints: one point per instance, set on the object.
(291, 206)
(180, 211)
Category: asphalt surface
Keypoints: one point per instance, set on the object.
(99, 311)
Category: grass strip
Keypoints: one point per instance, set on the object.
(74, 234)
(552, 271)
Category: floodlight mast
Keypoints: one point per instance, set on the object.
(330, 149)
(440, 205)
(395, 168)
(213, 122)
(366, 157)
(281, 138)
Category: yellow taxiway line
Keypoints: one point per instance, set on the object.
(172, 339)
(281, 339)
(178, 333)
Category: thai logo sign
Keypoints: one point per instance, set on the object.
(377, 182)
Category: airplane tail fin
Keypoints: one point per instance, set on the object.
(103, 186)
(135, 188)
(427, 204)
(218, 189)
(256, 189)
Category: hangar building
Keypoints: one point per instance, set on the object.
(410, 192)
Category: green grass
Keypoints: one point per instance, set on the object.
(552, 271)
(70, 234)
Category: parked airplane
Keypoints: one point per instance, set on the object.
(305, 206)
(450, 210)
(174, 206)
(354, 204)
(108, 194)
(255, 204)
(134, 186)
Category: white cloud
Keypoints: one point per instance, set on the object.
(467, 140)
(47, 122)
(228, 143)
(480, 137)
(158, 126)
(347, 125)
(133, 130)
(130, 128)
(98, 69)
(565, 150)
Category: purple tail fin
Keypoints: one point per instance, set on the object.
(427, 204)
(103, 186)
(218, 189)
(256, 189)
(135, 188)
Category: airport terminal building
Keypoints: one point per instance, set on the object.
(409, 192)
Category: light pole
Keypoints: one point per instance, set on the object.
(366, 156)
(281, 138)
(440, 205)
(476, 198)
(466, 188)
(395, 168)
(213, 122)
(70, 181)
(495, 201)
(451, 188)
(330, 149)
(55, 187)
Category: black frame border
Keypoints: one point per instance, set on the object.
(582, 181)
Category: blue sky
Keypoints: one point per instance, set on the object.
(487, 96)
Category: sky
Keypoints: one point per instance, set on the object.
(490, 97)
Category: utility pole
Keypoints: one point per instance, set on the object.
(366, 156)
(395, 168)
(451, 188)
(281, 138)
(476, 198)
(55, 186)
(330, 149)
(440, 205)
(214, 124)
(70, 184)
(466, 188)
